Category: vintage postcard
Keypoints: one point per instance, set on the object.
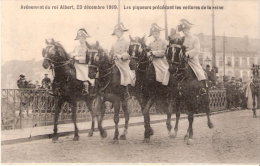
(130, 81)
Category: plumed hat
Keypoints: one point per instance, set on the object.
(155, 28)
(184, 24)
(82, 33)
(120, 27)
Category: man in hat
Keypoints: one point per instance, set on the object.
(158, 47)
(21, 82)
(46, 82)
(119, 52)
(192, 45)
(79, 53)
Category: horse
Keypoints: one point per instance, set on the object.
(147, 88)
(109, 87)
(65, 86)
(185, 87)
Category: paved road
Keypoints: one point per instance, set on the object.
(235, 139)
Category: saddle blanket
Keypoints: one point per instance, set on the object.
(126, 74)
(161, 70)
(82, 73)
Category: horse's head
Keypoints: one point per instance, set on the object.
(96, 59)
(53, 54)
(137, 51)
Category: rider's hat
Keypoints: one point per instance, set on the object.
(155, 28)
(82, 33)
(119, 27)
(184, 24)
(22, 75)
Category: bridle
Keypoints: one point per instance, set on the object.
(140, 60)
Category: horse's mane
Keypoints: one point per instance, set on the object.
(61, 49)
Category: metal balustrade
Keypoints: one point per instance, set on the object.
(23, 108)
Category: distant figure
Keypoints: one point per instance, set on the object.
(46, 82)
(210, 75)
(21, 82)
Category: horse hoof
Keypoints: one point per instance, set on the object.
(254, 116)
(55, 139)
(172, 135)
(210, 125)
(190, 141)
(115, 141)
(146, 140)
(122, 137)
(90, 134)
(76, 138)
(151, 132)
(186, 137)
(104, 134)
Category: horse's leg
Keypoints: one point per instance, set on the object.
(90, 134)
(74, 118)
(178, 114)
(56, 117)
(169, 117)
(254, 104)
(100, 117)
(116, 104)
(148, 130)
(189, 134)
(206, 108)
(126, 114)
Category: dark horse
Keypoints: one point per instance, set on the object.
(66, 88)
(255, 88)
(148, 91)
(185, 86)
(109, 87)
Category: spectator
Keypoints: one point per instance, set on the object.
(46, 82)
(21, 82)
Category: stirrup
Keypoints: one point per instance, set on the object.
(203, 91)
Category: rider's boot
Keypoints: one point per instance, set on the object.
(203, 89)
(127, 94)
(86, 87)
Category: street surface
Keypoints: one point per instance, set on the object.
(235, 139)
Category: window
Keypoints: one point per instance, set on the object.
(245, 76)
(251, 61)
(229, 61)
(220, 61)
(244, 62)
(236, 62)
(237, 74)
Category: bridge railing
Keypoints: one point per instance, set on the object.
(23, 108)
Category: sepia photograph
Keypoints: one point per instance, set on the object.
(130, 82)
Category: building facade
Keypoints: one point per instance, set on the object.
(240, 55)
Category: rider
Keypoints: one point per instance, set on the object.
(79, 54)
(158, 47)
(120, 53)
(192, 44)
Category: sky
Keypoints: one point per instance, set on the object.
(23, 32)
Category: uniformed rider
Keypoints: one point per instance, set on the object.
(158, 48)
(192, 44)
(79, 53)
(119, 52)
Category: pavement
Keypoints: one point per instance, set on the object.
(41, 132)
(233, 140)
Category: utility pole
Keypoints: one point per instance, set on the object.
(224, 55)
(119, 14)
(213, 38)
(166, 21)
